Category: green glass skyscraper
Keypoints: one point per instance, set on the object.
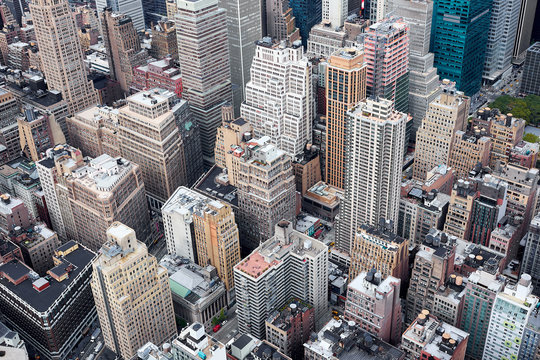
(458, 40)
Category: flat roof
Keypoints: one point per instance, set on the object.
(217, 190)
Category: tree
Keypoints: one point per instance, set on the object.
(527, 108)
(531, 138)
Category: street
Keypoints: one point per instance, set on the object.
(225, 334)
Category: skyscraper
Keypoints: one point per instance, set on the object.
(335, 11)
(447, 114)
(373, 159)
(459, 34)
(307, 13)
(148, 135)
(201, 26)
(280, 21)
(510, 314)
(345, 87)
(9, 131)
(123, 47)
(289, 264)
(244, 28)
(531, 258)
(281, 106)
(386, 49)
(132, 294)
(61, 53)
(530, 83)
(524, 31)
(131, 8)
(423, 78)
(501, 39)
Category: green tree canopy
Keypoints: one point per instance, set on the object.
(527, 108)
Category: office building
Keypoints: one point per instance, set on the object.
(51, 313)
(346, 340)
(102, 191)
(446, 115)
(307, 14)
(374, 304)
(461, 57)
(377, 247)
(510, 314)
(161, 73)
(372, 186)
(307, 169)
(386, 51)
(530, 83)
(501, 40)
(335, 12)
(280, 22)
(524, 154)
(480, 292)
(127, 283)
(429, 338)
(203, 230)
(530, 343)
(38, 131)
(13, 214)
(201, 25)
(132, 9)
(266, 190)
(148, 135)
(289, 264)
(346, 70)
(467, 150)
(9, 131)
(281, 106)
(123, 47)
(423, 79)
(232, 133)
(323, 201)
(531, 258)
(193, 344)
(62, 60)
(94, 131)
(458, 219)
(488, 209)
(289, 327)
(433, 265)
(244, 28)
(164, 41)
(198, 294)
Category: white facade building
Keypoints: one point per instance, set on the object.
(335, 11)
(131, 8)
(511, 312)
(279, 98)
(373, 167)
(290, 264)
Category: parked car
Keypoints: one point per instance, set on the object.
(217, 327)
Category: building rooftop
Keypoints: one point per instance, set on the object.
(324, 192)
(493, 282)
(370, 284)
(186, 202)
(525, 148)
(8, 203)
(281, 318)
(259, 152)
(21, 280)
(215, 184)
(272, 252)
(191, 281)
(477, 256)
(347, 341)
(32, 236)
(198, 344)
(383, 232)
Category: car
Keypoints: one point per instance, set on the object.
(217, 327)
(224, 322)
(334, 312)
(336, 317)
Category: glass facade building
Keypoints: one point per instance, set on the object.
(308, 13)
(458, 39)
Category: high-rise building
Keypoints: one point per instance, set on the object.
(281, 106)
(433, 264)
(61, 53)
(446, 115)
(386, 49)
(460, 57)
(164, 40)
(9, 130)
(59, 160)
(335, 12)
(50, 313)
(307, 13)
(194, 343)
(289, 327)
(372, 185)
(345, 87)
(379, 248)
(203, 230)
(289, 264)
(200, 26)
(123, 47)
(524, 154)
(530, 342)
(458, 219)
(266, 190)
(280, 24)
(129, 8)
(531, 258)
(423, 78)
(374, 304)
(510, 314)
(148, 135)
(530, 83)
(38, 131)
(161, 73)
(467, 150)
(480, 292)
(132, 294)
(232, 133)
(430, 338)
(525, 25)
(501, 39)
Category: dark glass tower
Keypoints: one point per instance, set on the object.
(308, 13)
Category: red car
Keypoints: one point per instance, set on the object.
(217, 327)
